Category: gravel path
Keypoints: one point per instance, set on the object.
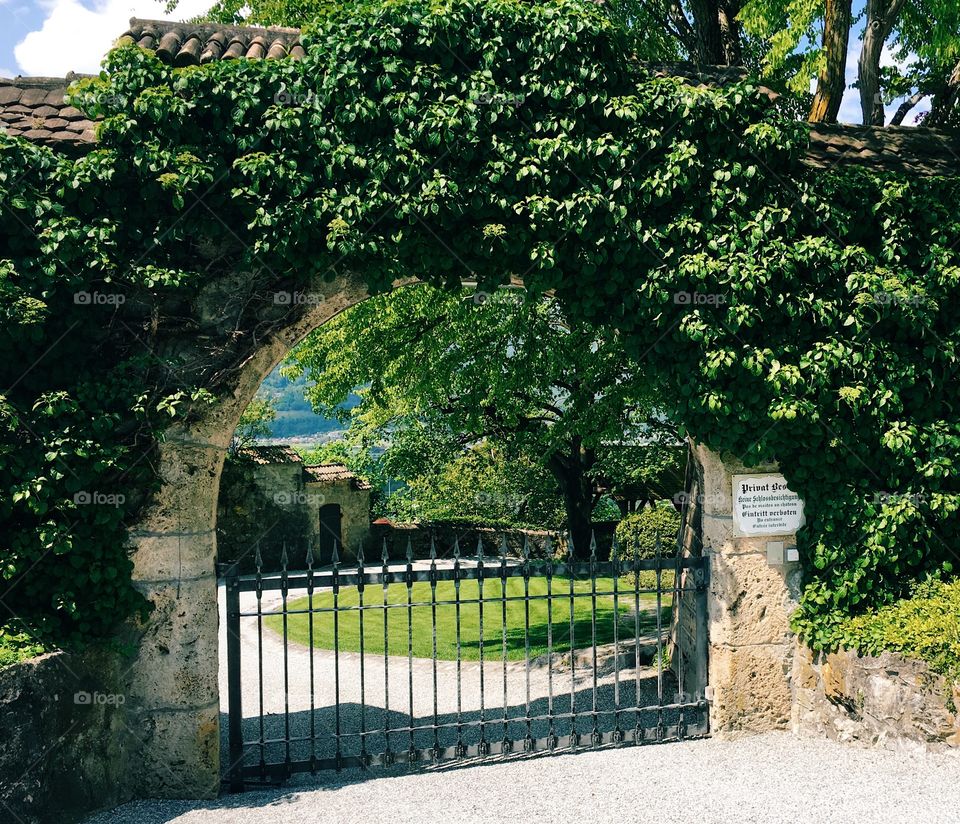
(773, 778)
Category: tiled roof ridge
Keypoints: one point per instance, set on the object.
(49, 83)
(164, 26)
(194, 43)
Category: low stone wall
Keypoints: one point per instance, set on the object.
(889, 701)
(444, 534)
(65, 739)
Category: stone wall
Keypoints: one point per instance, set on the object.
(65, 740)
(749, 603)
(265, 506)
(888, 701)
(444, 534)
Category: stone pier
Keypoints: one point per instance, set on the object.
(749, 602)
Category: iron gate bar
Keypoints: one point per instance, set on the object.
(503, 633)
(528, 740)
(409, 633)
(699, 704)
(398, 576)
(593, 629)
(617, 733)
(234, 686)
(573, 657)
(336, 652)
(681, 723)
(552, 736)
(388, 755)
(258, 560)
(456, 585)
(433, 621)
(313, 730)
(363, 701)
(480, 609)
(637, 728)
(659, 576)
(577, 572)
(286, 658)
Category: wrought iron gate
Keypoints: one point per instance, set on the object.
(574, 654)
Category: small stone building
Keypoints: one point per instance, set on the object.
(343, 510)
(269, 499)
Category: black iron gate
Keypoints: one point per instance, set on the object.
(455, 658)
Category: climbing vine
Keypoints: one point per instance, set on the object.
(806, 316)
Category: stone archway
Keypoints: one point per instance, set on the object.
(171, 684)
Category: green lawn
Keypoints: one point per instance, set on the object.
(349, 629)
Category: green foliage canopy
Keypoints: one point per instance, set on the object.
(476, 140)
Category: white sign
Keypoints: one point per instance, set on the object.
(763, 505)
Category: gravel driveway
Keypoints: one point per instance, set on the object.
(772, 778)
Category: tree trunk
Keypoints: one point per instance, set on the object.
(570, 470)
(881, 15)
(832, 80)
(730, 32)
(945, 100)
(706, 25)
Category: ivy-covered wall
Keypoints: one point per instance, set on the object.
(807, 317)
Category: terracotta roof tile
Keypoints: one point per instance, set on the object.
(334, 473)
(34, 108)
(271, 454)
(189, 44)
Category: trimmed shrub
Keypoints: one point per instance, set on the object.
(638, 532)
(926, 626)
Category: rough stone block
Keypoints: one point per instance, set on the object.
(176, 661)
(175, 556)
(750, 602)
(751, 688)
(178, 753)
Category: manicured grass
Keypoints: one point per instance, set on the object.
(422, 626)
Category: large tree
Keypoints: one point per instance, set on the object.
(804, 40)
(506, 369)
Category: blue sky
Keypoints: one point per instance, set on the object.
(52, 37)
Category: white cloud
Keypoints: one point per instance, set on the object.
(73, 37)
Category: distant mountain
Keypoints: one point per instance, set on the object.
(295, 418)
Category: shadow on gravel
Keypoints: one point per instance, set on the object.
(299, 736)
